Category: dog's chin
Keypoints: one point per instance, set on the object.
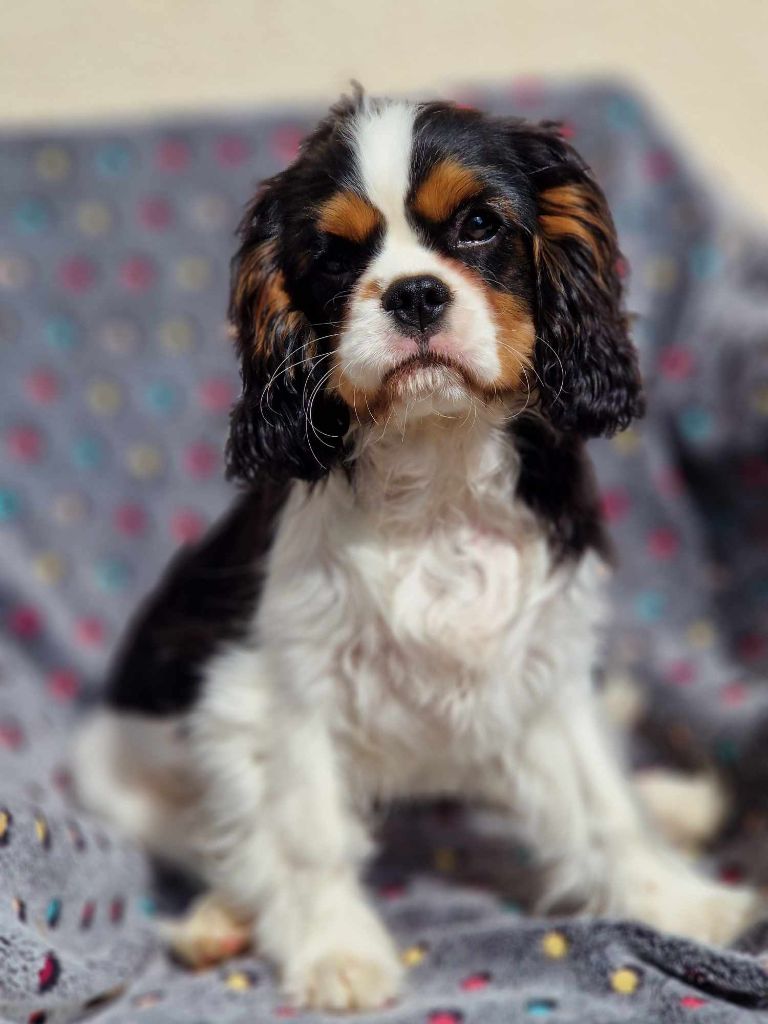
(428, 386)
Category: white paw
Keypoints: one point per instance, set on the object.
(343, 980)
(207, 933)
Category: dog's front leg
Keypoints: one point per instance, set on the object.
(285, 847)
(583, 817)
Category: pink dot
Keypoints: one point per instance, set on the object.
(567, 130)
(663, 543)
(130, 519)
(475, 982)
(216, 394)
(63, 685)
(286, 1011)
(676, 362)
(615, 504)
(622, 267)
(231, 150)
(24, 444)
(444, 1017)
(42, 386)
(200, 460)
(155, 213)
(692, 1002)
(285, 143)
(186, 526)
(11, 735)
(752, 646)
(172, 155)
(734, 694)
(731, 874)
(136, 274)
(659, 164)
(25, 622)
(528, 91)
(754, 472)
(77, 274)
(90, 631)
(681, 673)
(669, 482)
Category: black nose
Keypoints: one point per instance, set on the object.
(416, 302)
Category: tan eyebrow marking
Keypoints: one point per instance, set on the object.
(569, 210)
(349, 216)
(445, 188)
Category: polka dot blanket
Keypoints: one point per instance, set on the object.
(116, 381)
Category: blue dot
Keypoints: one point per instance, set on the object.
(623, 113)
(650, 605)
(60, 332)
(31, 216)
(147, 906)
(696, 423)
(52, 913)
(540, 1007)
(705, 261)
(9, 505)
(114, 159)
(88, 453)
(112, 574)
(161, 397)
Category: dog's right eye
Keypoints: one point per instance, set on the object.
(338, 259)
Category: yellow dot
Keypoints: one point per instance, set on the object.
(49, 567)
(238, 981)
(41, 830)
(104, 397)
(93, 218)
(627, 442)
(445, 860)
(701, 634)
(413, 956)
(625, 981)
(144, 461)
(555, 945)
(176, 335)
(193, 273)
(760, 400)
(661, 274)
(52, 163)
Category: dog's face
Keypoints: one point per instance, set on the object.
(424, 259)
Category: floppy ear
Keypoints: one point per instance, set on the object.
(587, 365)
(286, 424)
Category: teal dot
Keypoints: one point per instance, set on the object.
(114, 159)
(161, 397)
(60, 332)
(623, 113)
(147, 906)
(112, 574)
(512, 907)
(31, 216)
(696, 423)
(705, 261)
(540, 1007)
(88, 453)
(9, 505)
(650, 605)
(726, 751)
(52, 913)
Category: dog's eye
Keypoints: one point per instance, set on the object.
(478, 226)
(337, 260)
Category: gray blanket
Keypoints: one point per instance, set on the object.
(116, 380)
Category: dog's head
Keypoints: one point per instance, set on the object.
(428, 258)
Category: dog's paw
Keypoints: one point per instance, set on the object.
(207, 934)
(342, 980)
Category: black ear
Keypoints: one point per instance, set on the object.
(586, 363)
(286, 424)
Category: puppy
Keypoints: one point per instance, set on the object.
(404, 600)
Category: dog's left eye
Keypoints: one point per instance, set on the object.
(478, 226)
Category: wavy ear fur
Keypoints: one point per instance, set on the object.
(285, 425)
(586, 363)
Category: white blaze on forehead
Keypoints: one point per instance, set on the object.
(383, 138)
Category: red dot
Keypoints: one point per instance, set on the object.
(734, 694)
(676, 362)
(186, 526)
(528, 91)
(24, 444)
(393, 891)
(136, 274)
(663, 543)
(445, 1017)
(681, 673)
(669, 482)
(42, 386)
(731, 874)
(77, 274)
(231, 150)
(566, 130)
(286, 1011)
(622, 267)
(172, 155)
(285, 143)
(615, 504)
(216, 394)
(24, 621)
(155, 213)
(90, 631)
(754, 472)
(692, 1002)
(752, 646)
(476, 982)
(200, 460)
(659, 164)
(11, 735)
(130, 519)
(63, 685)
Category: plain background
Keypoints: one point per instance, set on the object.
(703, 65)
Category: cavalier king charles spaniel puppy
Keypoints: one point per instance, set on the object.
(404, 600)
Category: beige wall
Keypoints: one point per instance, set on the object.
(703, 63)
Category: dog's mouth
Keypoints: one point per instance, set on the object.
(426, 376)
